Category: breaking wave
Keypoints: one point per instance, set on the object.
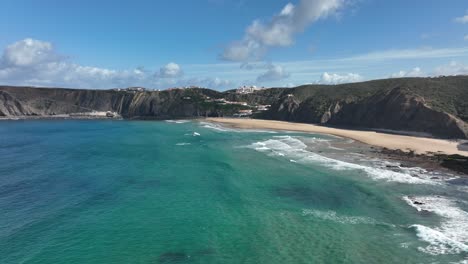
(177, 121)
(451, 237)
(215, 127)
(294, 149)
(221, 128)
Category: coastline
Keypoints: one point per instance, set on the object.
(418, 145)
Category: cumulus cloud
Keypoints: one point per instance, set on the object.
(208, 82)
(243, 51)
(281, 29)
(274, 73)
(28, 52)
(37, 63)
(415, 72)
(255, 65)
(333, 78)
(170, 70)
(462, 19)
(453, 68)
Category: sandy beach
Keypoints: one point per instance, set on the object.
(420, 145)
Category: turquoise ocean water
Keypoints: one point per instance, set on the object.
(190, 192)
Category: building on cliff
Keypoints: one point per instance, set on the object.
(247, 89)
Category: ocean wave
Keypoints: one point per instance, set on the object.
(307, 140)
(342, 219)
(451, 237)
(220, 128)
(439, 243)
(294, 149)
(183, 144)
(417, 171)
(215, 127)
(177, 121)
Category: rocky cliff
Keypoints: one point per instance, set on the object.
(391, 110)
(178, 103)
(437, 106)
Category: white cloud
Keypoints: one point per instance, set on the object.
(450, 69)
(281, 29)
(423, 53)
(28, 52)
(36, 63)
(334, 78)
(256, 65)
(208, 83)
(453, 68)
(170, 70)
(274, 73)
(466, 37)
(243, 51)
(463, 19)
(415, 72)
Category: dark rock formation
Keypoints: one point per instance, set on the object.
(456, 163)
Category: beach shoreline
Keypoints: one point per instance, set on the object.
(405, 143)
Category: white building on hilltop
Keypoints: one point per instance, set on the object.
(136, 89)
(247, 89)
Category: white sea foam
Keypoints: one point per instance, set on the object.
(294, 149)
(215, 127)
(178, 121)
(439, 243)
(183, 144)
(465, 261)
(342, 219)
(335, 148)
(220, 128)
(451, 237)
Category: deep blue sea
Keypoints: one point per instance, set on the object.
(195, 192)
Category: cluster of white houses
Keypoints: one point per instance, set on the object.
(248, 89)
(133, 89)
(221, 101)
(249, 112)
(240, 113)
(241, 90)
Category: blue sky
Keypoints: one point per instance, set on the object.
(222, 44)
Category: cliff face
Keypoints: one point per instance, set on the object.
(436, 106)
(25, 101)
(397, 110)
(392, 110)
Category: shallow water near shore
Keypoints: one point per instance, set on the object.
(90, 191)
